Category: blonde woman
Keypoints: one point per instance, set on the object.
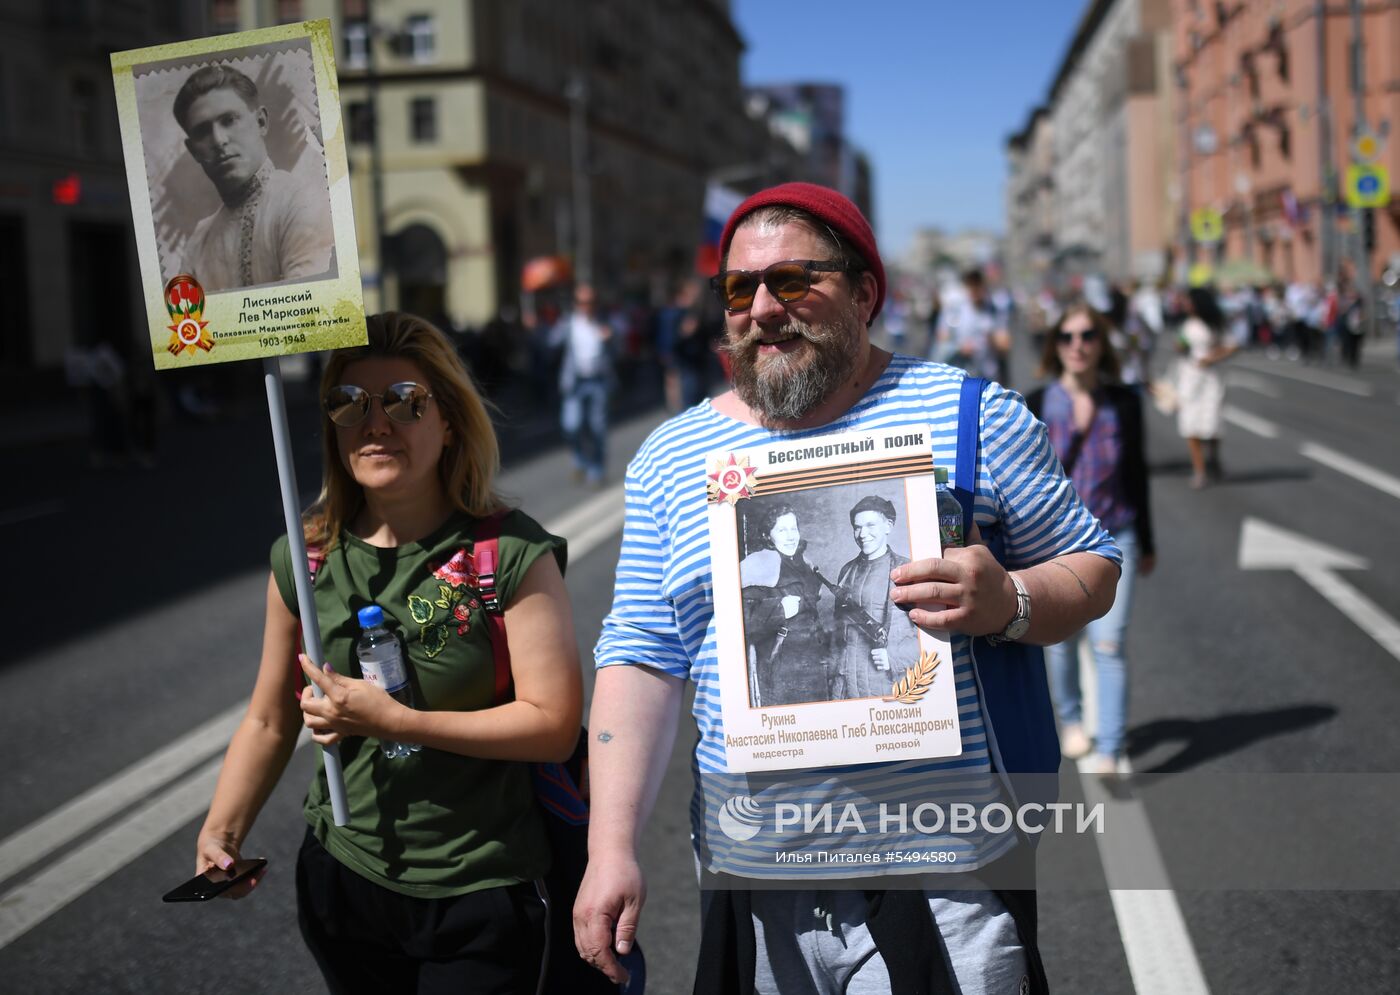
(432, 885)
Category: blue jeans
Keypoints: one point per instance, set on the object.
(1106, 639)
(799, 953)
(585, 422)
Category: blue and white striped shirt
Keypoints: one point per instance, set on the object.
(663, 617)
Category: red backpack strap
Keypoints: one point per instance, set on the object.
(485, 558)
(562, 789)
(315, 556)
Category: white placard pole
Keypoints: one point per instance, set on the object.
(291, 510)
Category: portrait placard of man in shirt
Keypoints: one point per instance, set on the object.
(875, 639)
(236, 169)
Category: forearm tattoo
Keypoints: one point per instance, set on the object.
(605, 737)
(1082, 586)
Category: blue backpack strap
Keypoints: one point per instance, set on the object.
(969, 425)
(1010, 676)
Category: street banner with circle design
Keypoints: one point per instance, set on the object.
(1367, 186)
(1207, 225)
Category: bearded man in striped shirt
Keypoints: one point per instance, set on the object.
(801, 281)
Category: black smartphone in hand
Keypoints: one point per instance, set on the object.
(214, 882)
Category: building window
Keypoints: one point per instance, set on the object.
(356, 44)
(84, 96)
(288, 11)
(423, 119)
(223, 16)
(361, 118)
(608, 56)
(419, 42)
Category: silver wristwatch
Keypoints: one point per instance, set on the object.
(1021, 621)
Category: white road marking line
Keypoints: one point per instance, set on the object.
(1352, 468)
(1269, 547)
(23, 907)
(1249, 422)
(14, 516)
(1318, 378)
(1248, 381)
(75, 818)
(1161, 958)
(592, 522)
(1368, 615)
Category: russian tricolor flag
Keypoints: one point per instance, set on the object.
(720, 203)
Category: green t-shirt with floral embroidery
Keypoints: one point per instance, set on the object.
(434, 824)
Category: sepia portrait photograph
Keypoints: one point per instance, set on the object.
(814, 567)
(236, 167)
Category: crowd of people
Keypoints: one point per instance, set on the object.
(434, 880)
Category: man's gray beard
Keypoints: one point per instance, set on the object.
(790, 385)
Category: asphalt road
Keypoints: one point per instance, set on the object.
(135, 613)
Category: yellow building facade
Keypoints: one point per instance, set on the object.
(506, 129)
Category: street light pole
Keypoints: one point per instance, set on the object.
(1328, 184)
(1364, 287)
(577, 95)
(376, 165)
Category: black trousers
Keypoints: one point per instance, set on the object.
(369, 939)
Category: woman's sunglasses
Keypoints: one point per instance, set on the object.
(348, 405)
(787, 281)
(1088, 335)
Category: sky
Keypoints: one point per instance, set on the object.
(933, 89)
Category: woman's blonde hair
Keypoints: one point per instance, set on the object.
(470, 460)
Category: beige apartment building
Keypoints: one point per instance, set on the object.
(1090, 186)
(1029, 246)
(492, 115)
(1267, 120)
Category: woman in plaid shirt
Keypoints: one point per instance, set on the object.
(1096, 429)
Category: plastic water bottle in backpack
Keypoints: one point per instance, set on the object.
(382, 664)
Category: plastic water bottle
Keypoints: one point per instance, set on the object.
(950, 519)
(382, 664)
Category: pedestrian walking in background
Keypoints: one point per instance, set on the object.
(1301, 300)
(1348, 328)
(1142, 325)
(1199, 386)
(432, 885)
(1275, 321)
(585, 383)
(970, 333)
(100, 373)
(1096, 426)
(801, 281)
(682, 348)
(935, 314)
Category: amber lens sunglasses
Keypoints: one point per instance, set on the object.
(348, 405)
(787, 281)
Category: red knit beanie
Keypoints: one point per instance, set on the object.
(828, 206)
